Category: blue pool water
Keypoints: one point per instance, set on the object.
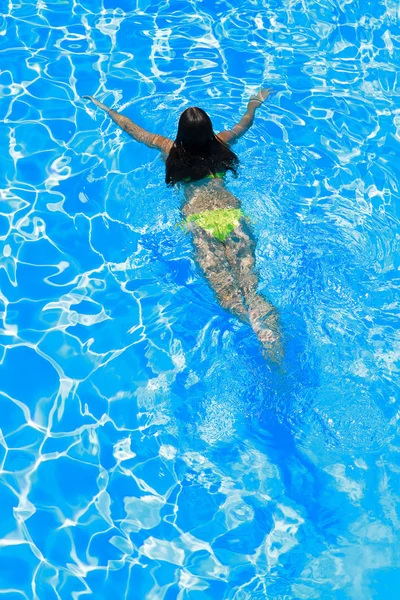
(147, 450)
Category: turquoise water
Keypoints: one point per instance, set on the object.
(147, 450)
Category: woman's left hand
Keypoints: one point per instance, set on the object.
(97, 103)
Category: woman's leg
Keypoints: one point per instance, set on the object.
(263, 316)
(210, 255)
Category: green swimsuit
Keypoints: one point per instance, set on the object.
(219, 222)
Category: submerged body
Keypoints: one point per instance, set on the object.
(222, 236)
(229, 263)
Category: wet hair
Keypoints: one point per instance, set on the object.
(197, 151)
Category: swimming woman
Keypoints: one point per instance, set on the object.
(198, 161)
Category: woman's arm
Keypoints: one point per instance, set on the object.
(139, 134)
(230, 136)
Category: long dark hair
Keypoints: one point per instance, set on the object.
(197, 151)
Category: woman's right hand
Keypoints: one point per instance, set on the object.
(261, 96)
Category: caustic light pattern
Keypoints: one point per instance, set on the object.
(147, 450)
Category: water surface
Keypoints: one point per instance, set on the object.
(147, 449)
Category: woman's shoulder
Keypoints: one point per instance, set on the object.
(163, 143)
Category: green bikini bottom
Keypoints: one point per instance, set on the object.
(220, 222)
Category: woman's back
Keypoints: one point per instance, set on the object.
(207, 194)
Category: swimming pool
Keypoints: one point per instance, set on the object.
(147, 449)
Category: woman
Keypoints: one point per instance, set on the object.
(198, 160)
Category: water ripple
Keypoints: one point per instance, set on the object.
(146, 449)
